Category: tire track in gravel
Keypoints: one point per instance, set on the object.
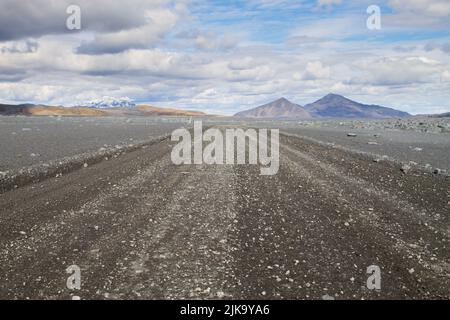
(142, 228)
(312, 231)
(189, 256)
(421, 231)
(33, 264)
(155, 231)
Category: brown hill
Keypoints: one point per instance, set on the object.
(142, 110)
(157, 111)
(63, 111)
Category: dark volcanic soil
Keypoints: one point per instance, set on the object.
(141, 228)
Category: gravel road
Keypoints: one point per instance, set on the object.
(140, 227)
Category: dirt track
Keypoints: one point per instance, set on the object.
(140, 227)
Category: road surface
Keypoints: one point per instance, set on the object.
(140, 227)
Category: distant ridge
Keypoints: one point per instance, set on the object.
(330, 106)
(440, 115)
(281, 108)
(142, 110)
(43, 110)
(169, 111)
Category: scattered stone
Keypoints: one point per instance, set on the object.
(352, 135)
(76, 298)
(411, 271)
(405, 168)
(85, 165)
(327, 297)
(437, 171)
(372, 143)
(207, 291)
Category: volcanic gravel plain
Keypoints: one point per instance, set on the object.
(104, 195)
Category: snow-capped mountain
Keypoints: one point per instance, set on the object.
(110, 102)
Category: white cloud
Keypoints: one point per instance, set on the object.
(396, 71)
(328, 2)
(316, 70)
(434, 8)
(418, 14)
(445, 76)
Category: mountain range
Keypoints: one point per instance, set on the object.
(110, 102)
(330, 106)
(139, 110)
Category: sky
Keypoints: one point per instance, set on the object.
(226, 56)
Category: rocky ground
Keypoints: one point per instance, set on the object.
(140, 227)
(419, 124)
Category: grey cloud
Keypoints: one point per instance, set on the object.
(405, 49)
(26, 19)
(103, 47)
(158, 23)
(12, 74)
(444, 47)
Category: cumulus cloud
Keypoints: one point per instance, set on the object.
(316, 70)
(445, 76)
(25, 19)
(157, 24)
(396, 71)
